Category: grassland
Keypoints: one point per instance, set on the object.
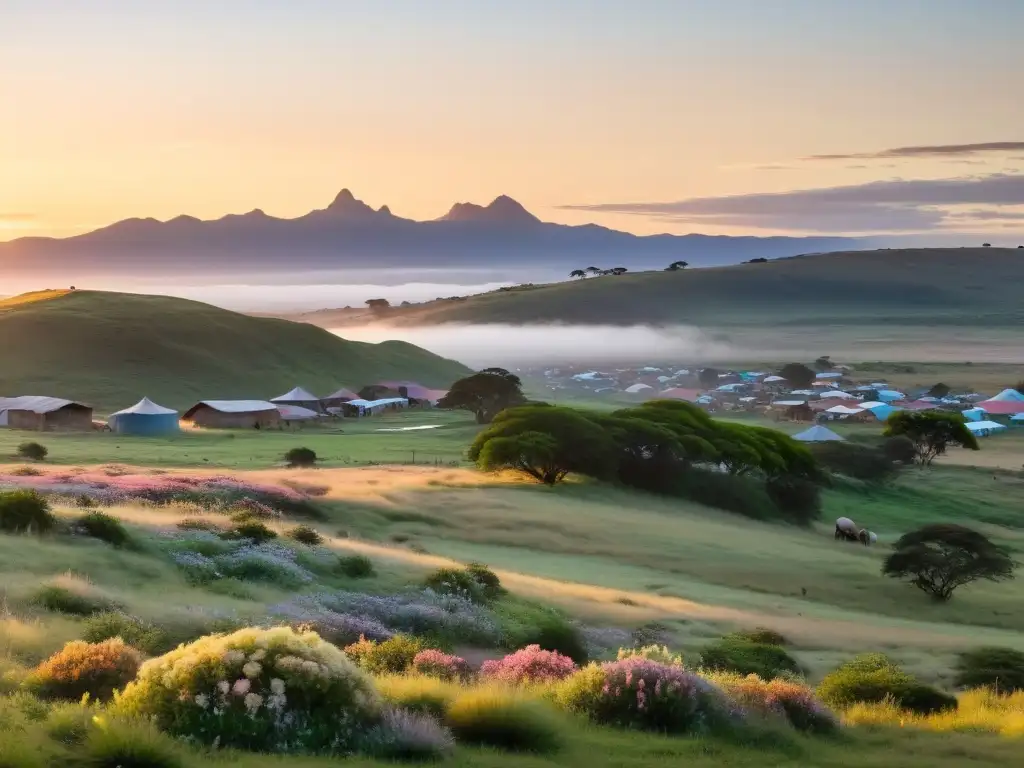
(110, 349)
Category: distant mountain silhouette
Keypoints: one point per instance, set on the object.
(348, 233)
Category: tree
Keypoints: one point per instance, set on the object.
(618, 270)
(798, 375)
(378, 305)
(823, 363)
(939, 558)
(708, 377)
(675, 266)
(533, 453)
(939, 390)
(986, 245)
(486, 393)
(931, 432)
(578, 274)
(593, 270)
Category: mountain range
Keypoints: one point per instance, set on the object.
(348, 234)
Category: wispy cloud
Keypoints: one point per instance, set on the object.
(931, 150)
(16, 218)
(895, 205)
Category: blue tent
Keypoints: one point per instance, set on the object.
(145, 418)
(974, 414)
(883, 412)
(888, 395)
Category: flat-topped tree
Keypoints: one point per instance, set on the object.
(486, 394)
(931, 432)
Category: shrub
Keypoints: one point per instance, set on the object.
(69, 724)
(427, 695)
(402, 735)
(198, 524)
(253, 530)
(1001, 669)
(527, 624)
(247, 509)
(392, 656)
(741, 495)
(128, 744)
(732, 654)
(490, 584)
(305, 534)
(529, 665)
(32, 451)
(70, 597)
(899, 449)
(99, 525)
(434, 663)
(131, 629)
(872, 678)
(25, 511)
(862, 462)
(505, 720)
(798, 501)
(779, 698)
(80, 668)
(454, 581)
(300, 457)
(759, 635)
(659, 653)
(638, 693)
(355, 566)
(271, 690)
(263, 562)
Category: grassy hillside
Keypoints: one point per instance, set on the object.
(915, 287)
(110, 349)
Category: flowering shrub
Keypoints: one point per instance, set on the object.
(529, 665)
(779, 698)
(734, 654)
(873, 677)
(81, 668)
(640, 693)
(403, 735)
(658, 653)
(272, 690)
(445, 666)
(264, 562)
(392, 656)
(131, 629)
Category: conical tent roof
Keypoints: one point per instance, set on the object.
(342, 394)
(146, 407)
(818, 434)
(1007, 396)
(297, 395)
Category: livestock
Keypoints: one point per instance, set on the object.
(847, 530)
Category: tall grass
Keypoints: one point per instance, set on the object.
(980, 710)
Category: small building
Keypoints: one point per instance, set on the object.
(301, 397)
(145, 418)
(291, 414)
(335, 399)
(233, 414)
(45, 414)
(372, 407)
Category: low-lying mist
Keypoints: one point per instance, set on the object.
(513, 346)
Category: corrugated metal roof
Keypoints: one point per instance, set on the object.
(237, 406)
(36, 403)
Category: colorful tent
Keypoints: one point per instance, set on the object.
(145, 418)
(1007, 396)
(985, 428)
(974, 414)
(818, 434)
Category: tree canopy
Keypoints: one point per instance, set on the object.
(798, 375)
(675, 266)
(939, 558)
(485, 393)
(931, 432)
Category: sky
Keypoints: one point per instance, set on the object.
(720, 116)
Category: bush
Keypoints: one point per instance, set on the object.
(270, 690)
(434, 663)
(872, 678)
(454, 581)
(128, 744)
(503, 719)
(733, 654)
(526, 624)
(70, 598)
(797, 501)
(80, 668)
(861, 462)
(305, 534)
(779, 698)
(426, 695)
(32, 451)
(69, 724)
(355, 566)
(198, 524)
(658, 653)
(131, 629)
(267, 562)
(25, 511)
(392, 656)
(301, 457)
(487, 579)
(1001, 669)
(759, 635)
(99, 525)
(732, 493)
(402, 735)
(638, 693)
(899, 449)
(529, 665)
(253, 530)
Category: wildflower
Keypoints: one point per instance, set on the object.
(259, 655)
(530, 664)
(202, 700)
(253, 701)
(277, 686)
(224, 686)
(241, 687)
(251, 670)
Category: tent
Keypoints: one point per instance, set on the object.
(42, 413)
(296, 413)
(300, 397)
(844, 410)
(343, 395)
(883, 412)
(144, 418)
(678, 393)
(840, 395)
(1007, 396)
(975, 414)
(889, 395)
(818, 434)
(233, 414)
(1001, 407)
(773, 379)
(1019, 418)
(637, 388)
(830, 375)
(872, 404)
(985, 428)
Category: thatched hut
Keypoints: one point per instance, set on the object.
(233, 414)
(45, 414)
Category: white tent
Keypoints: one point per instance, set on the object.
(638, 387)
(818, 434)
(296, 413)
(871, 405)
(844, 410)
(772, 379)
(1008, 396)
(297, 395)
(842, 395)
(146, 407)
(984, 428)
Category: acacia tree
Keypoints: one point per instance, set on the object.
(486, 393)
(798, 375)
(939, 558)
(579, 274)
(675, 266)
(378, 305)
(931, 432)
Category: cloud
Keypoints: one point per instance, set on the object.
(16, 218)
(895, 205)
(988, 215)
(933, 150)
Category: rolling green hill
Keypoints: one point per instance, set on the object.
(923, 287)
(110, 349)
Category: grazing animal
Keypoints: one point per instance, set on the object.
(847, 530)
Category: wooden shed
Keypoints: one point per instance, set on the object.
(233, 414)
(45, 414)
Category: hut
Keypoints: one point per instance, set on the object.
(233, 414)
(45, 414)
(335, 399)
(818, 434)
(291, 414)
(145, 418)
(303, 398)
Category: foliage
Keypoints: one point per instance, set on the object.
(267, 562)
(759, 635)
(779, 698)
(25, 511)
(388, 657)
(981, 710)
(445, 666)
(355, 566)
(80, 668)
(117, 743)
(503, 719)
(932, 432)
(490, 584)
(676, 266)
(740, 495)
(734, 654)
(798, 375)
(861, 462)
(939, 390)
(527, 624)
(70, 599)
(485, 394)
(658, 653)
(797, 500)
(454, 581)
(137, 633)
(419, 693)
(529, 665)
(305, 534)
(900, 449)
(33, 451)
(300, 457)
(402, 735)
(874, 678)
(1001, 669)
(99, 525)
(271, 690)
(940, 557)
(639, 693)
(253, 530)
